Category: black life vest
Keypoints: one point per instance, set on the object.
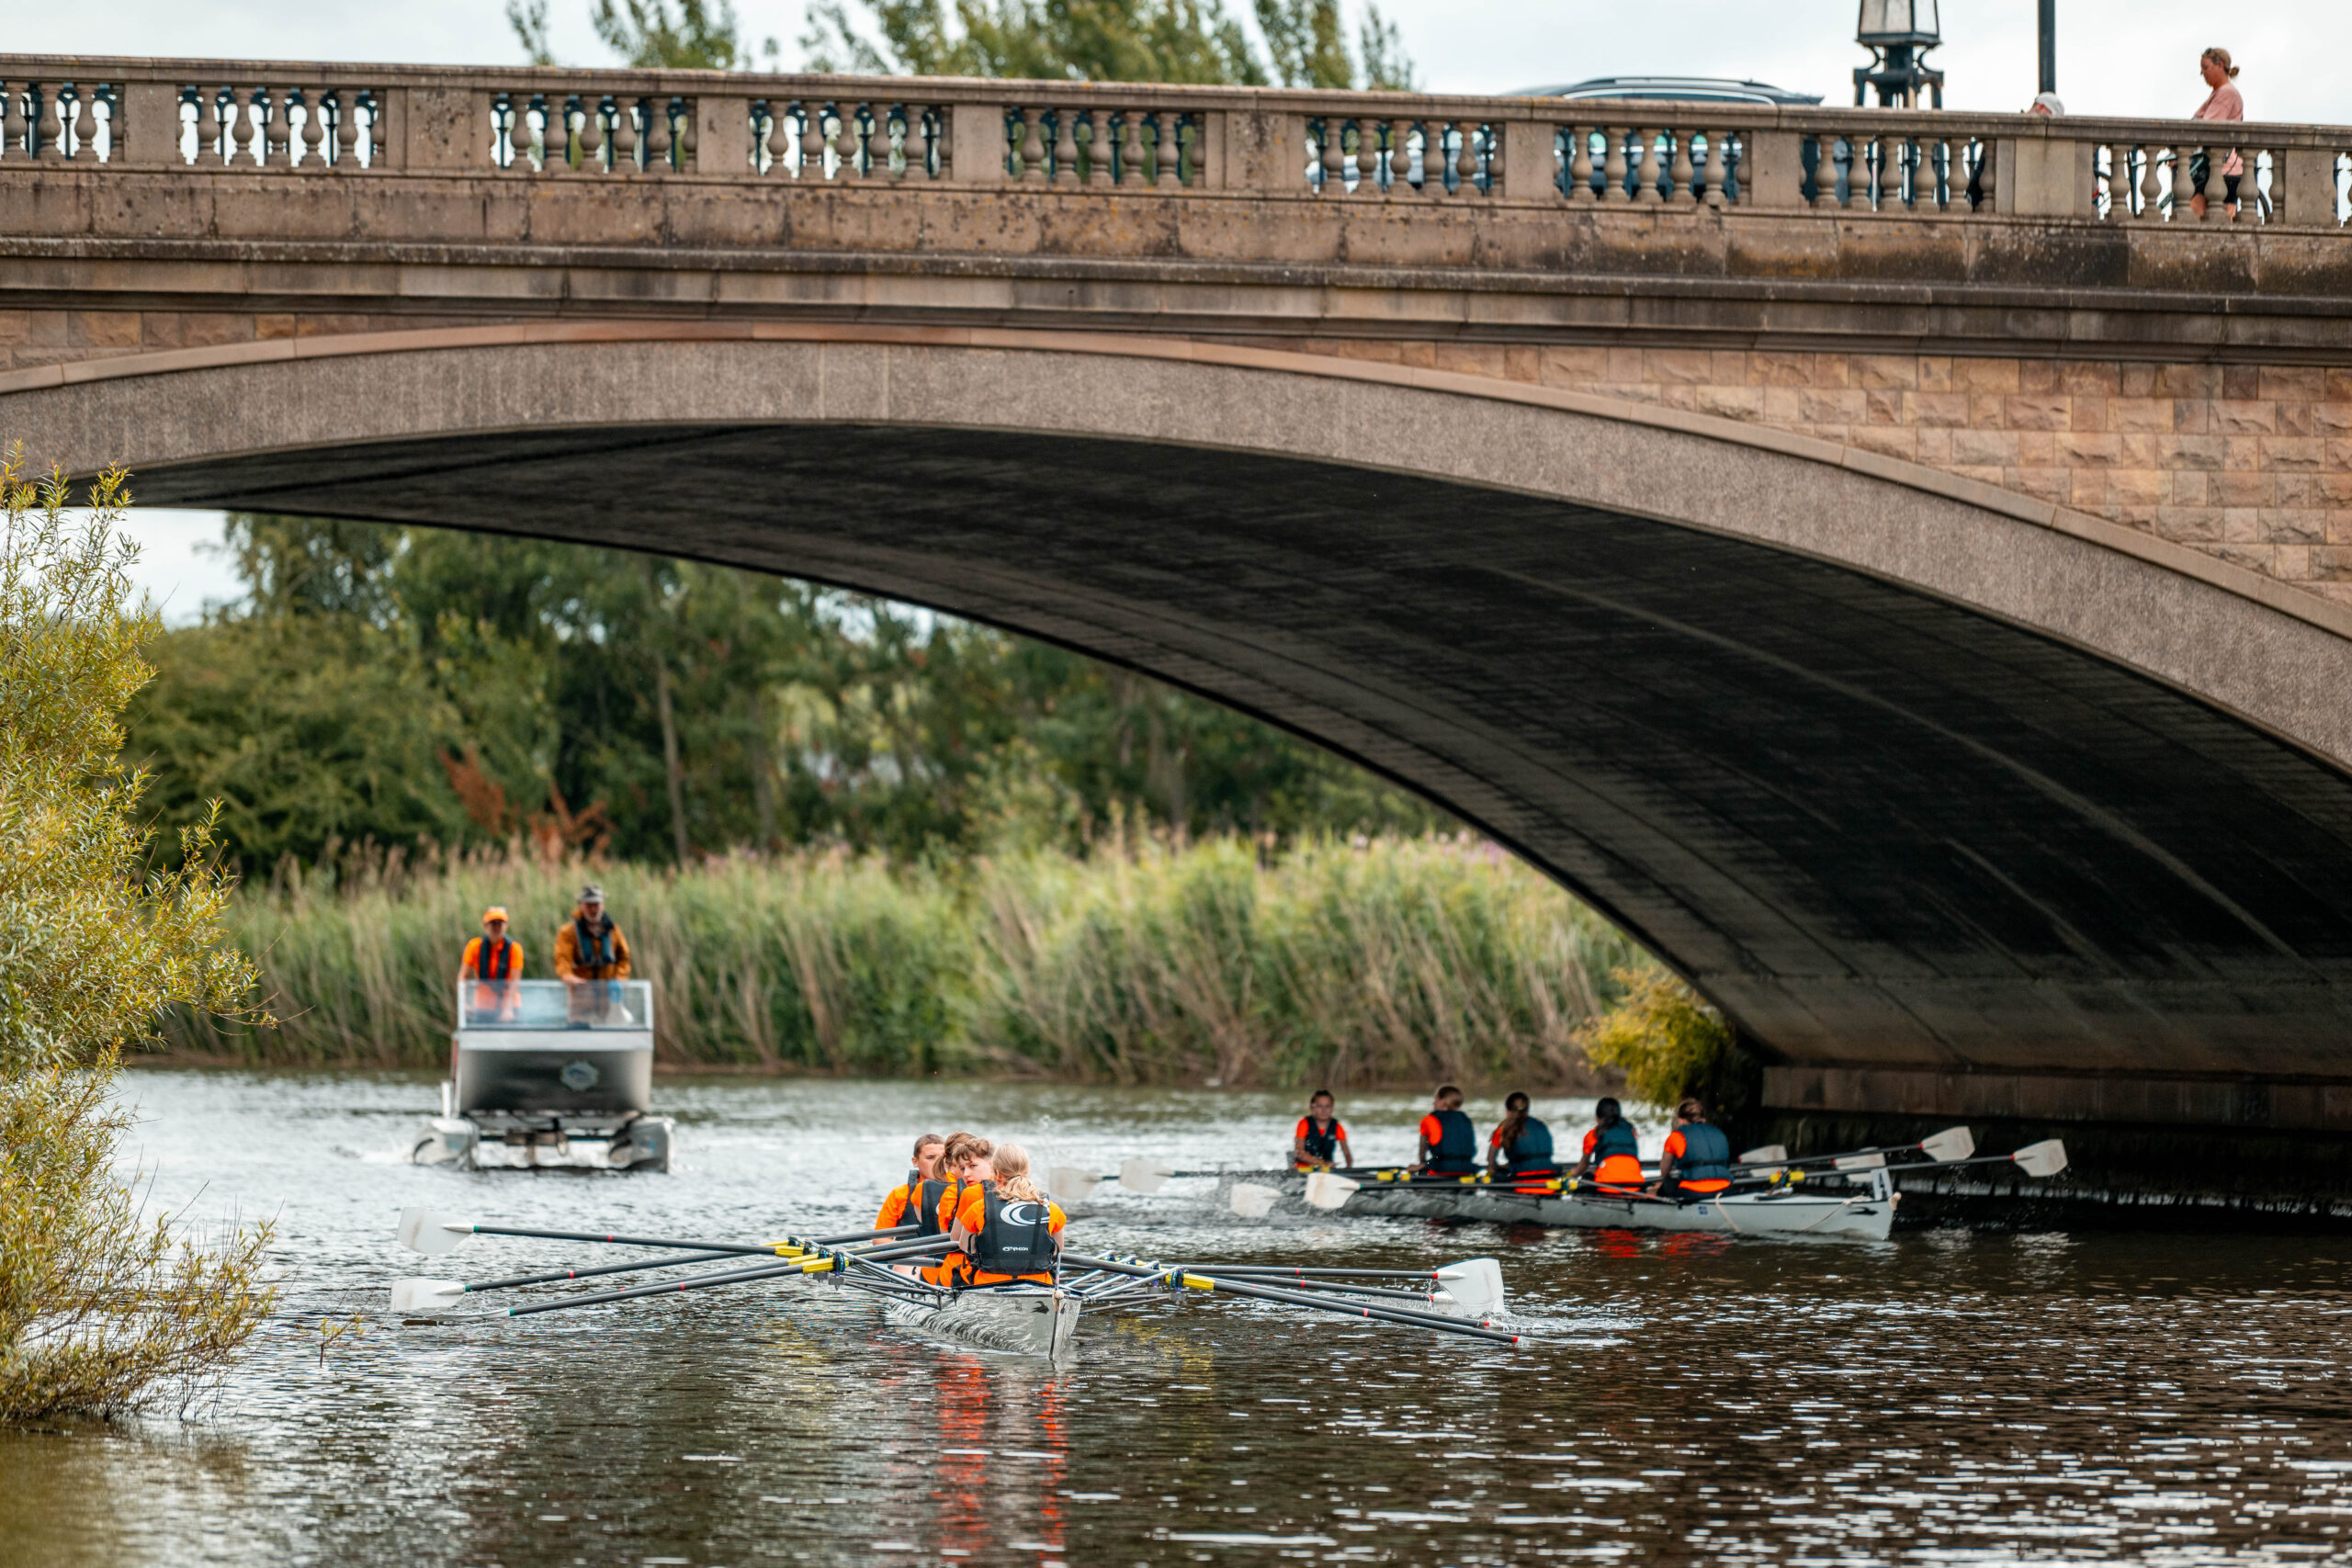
(1616, 1138)
(1324, 1145)
(592, 945)
(927, 1202)
(1531, 1151)
(1016, 1234)
(494, 962)
(1456, 1149)
(1706, 1154)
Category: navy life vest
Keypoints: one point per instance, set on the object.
(1016, 1234)
(1531, 1151)
(1706, 1154)
(592, 945)
(1617, 1138)
(927, 1210)
(494, 962)
(1323, 1145)
(1456, 1152)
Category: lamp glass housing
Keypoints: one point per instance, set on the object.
(1884, 22)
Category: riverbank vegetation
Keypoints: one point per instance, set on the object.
(1355, 962)
(102, 1304)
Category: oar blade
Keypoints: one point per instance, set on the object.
(1951, 1143)
(1474, 1286)
(1068, 1184)
(1325, 1191)
(1770, 1154)
(422, 1230)
(425, 1295)
(1859, 1162)
(1143, 1175)
(1252, 1202)
(2045, 1158)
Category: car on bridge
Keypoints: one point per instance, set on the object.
(1675, 89)
(1663, 89)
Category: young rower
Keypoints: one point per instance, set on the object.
(1319, 1135)
(963, 1164)
(1519, 1148)
(904, 1203)
(1698, 1155)
(1007, 1229)
(1449, 1142)
(1612, 1149)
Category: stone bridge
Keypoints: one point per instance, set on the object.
(1899, 565)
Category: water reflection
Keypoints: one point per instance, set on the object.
(1939, 1397)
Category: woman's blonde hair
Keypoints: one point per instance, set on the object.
(2221, 57)
(1010, 1163)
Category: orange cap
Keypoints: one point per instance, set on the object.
(495, 912)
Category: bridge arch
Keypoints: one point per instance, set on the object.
(1903, 771)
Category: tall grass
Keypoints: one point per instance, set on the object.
(1391, 962)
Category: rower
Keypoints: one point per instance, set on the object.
(1612, 1149)
(1697, 1162)
(904, 1205)
(1319, 1135)
(963, 1161)
(1519, 1148)
(1009, 1231)
(1449, 1144)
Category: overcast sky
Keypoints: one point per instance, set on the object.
(2115, 57)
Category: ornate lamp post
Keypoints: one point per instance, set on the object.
(1898, 33)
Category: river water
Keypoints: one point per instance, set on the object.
(1942, 1398)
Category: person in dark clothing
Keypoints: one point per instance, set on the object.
(1612, 1149)
(1697, 1160)
(1520, 1146)
(1449, 1142)
(589, 951)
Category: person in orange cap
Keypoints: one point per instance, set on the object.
(493, 963)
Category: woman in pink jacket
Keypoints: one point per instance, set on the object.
(2222, 103)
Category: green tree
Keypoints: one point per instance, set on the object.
(100, 1304)
(694, 37)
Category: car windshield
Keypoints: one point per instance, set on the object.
(555, 1004)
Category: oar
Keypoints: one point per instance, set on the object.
(1950, 1146)
(2045, 1158)
(422, 1230)
(1196, 1282)
(828, 1263)
(422, 1295)
(1069, 1183)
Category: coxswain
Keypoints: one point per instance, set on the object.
(1319, 1136)
(493, 963)
(1612, 1149)
(1697, 1161)
(1519, 1148)
(1449, 1142)
(904, 1201)
(1007, 1229)
(962, 1165)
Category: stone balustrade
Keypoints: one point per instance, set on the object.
(1108, 138)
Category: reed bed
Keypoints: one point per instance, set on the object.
(1387, 961)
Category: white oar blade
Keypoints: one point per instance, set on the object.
(1861, 1162)
(1951, 1143)
(1068, 1184)
(1251, 1201)
(425, 1295)
(1770, 1154)
(1143, 1175)
(2046, 1158)
(422, 1230)
(1474, 1286)
(1325, 1191)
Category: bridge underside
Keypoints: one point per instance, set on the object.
(1880, 831)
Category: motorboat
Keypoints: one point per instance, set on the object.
(550, 1075)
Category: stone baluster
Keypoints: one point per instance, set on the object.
(241, 124)
(849, 143)
(812, 141)
(879, 153)
(592, 132)
(917, 141)
(555, 135)
(658, 135)
(1369, 157)
(1437, 157)
(1613, 168)
(1477, 141)
(276, 126)
(1032, 147)
(1646, 191)
(1066, 147)
(1827, 196)
(314, 127)
(1100, 154)
(208, 128)
(689, 132)
(1335, 155)
(778, 140)
(12, 121)
(2152, 190)
(343, 110)
(1683, 174)
(1718, 168)
(82, 134)
(1579, 163)
(1131, 148)
(1400, 157)
(1168, 150)
(624, 136)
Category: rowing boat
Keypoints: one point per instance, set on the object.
(1865, 1213)
(1036, 1320)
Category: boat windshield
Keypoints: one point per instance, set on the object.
(555, 1004)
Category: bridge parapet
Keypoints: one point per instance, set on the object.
(1113, 138)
